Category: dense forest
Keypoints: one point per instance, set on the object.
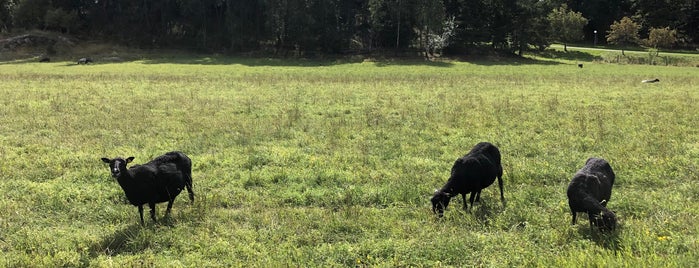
(350, 26)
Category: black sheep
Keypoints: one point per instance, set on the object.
(157, 181)
(84, 60)
(470, 174)
(589, 191)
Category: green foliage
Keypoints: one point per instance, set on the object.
(304, 28)
(662, 38)
(566, 25)
(332, 164)
(624, 32)
(7, 8)
(60, 19)
(30, 13)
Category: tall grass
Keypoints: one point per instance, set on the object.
(332, 163)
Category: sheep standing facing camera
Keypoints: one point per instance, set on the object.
(157, 181)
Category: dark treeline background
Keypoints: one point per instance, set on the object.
(337, 26)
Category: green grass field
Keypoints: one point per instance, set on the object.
(322, 164)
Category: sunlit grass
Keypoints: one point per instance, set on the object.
(332, 163)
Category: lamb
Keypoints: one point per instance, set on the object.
(470, 174)
(157, 181)
(589, 191)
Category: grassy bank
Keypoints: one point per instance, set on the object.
(332, 164)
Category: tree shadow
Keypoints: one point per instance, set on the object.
(19, 61)
(570, 55)
(297, 62)
(512, 61)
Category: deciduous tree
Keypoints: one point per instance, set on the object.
(661, 38)
(566, 25)
(623, 32)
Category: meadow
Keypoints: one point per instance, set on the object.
(332, 163)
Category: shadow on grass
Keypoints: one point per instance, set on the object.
(121, 241)
(262, 61)
(19, 61)
(481, 211)
(379, 61)
(295, 62)
(550, 57)
(608, 239)
(484, 211)
(570, 55)
(133, 238)
(511, 61)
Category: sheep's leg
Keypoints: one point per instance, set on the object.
(463, 196)
(152, 211)
(140, 212)
(169, 207)
(478, 196)
(502, 194)
(574, 215)
(473, 195)
(189, 189)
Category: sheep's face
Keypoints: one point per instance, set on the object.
(440, 201)
(117, 165)
(605, 220)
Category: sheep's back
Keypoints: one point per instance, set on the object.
(471, 173)
(487, 150)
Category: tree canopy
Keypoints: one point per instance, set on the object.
(566, 25)
(623, 32)
(341, 26)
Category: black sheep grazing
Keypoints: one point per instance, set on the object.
(84, 60)
(589, 191)
(157, 181)
(470, 174)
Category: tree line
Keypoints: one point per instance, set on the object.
(350, 26)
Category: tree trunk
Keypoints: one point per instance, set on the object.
(398, 30)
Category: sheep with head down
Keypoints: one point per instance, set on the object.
(470, 174)
(589, 191)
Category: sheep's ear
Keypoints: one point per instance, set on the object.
(603, 202)
(128, 160)
(106, 160)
